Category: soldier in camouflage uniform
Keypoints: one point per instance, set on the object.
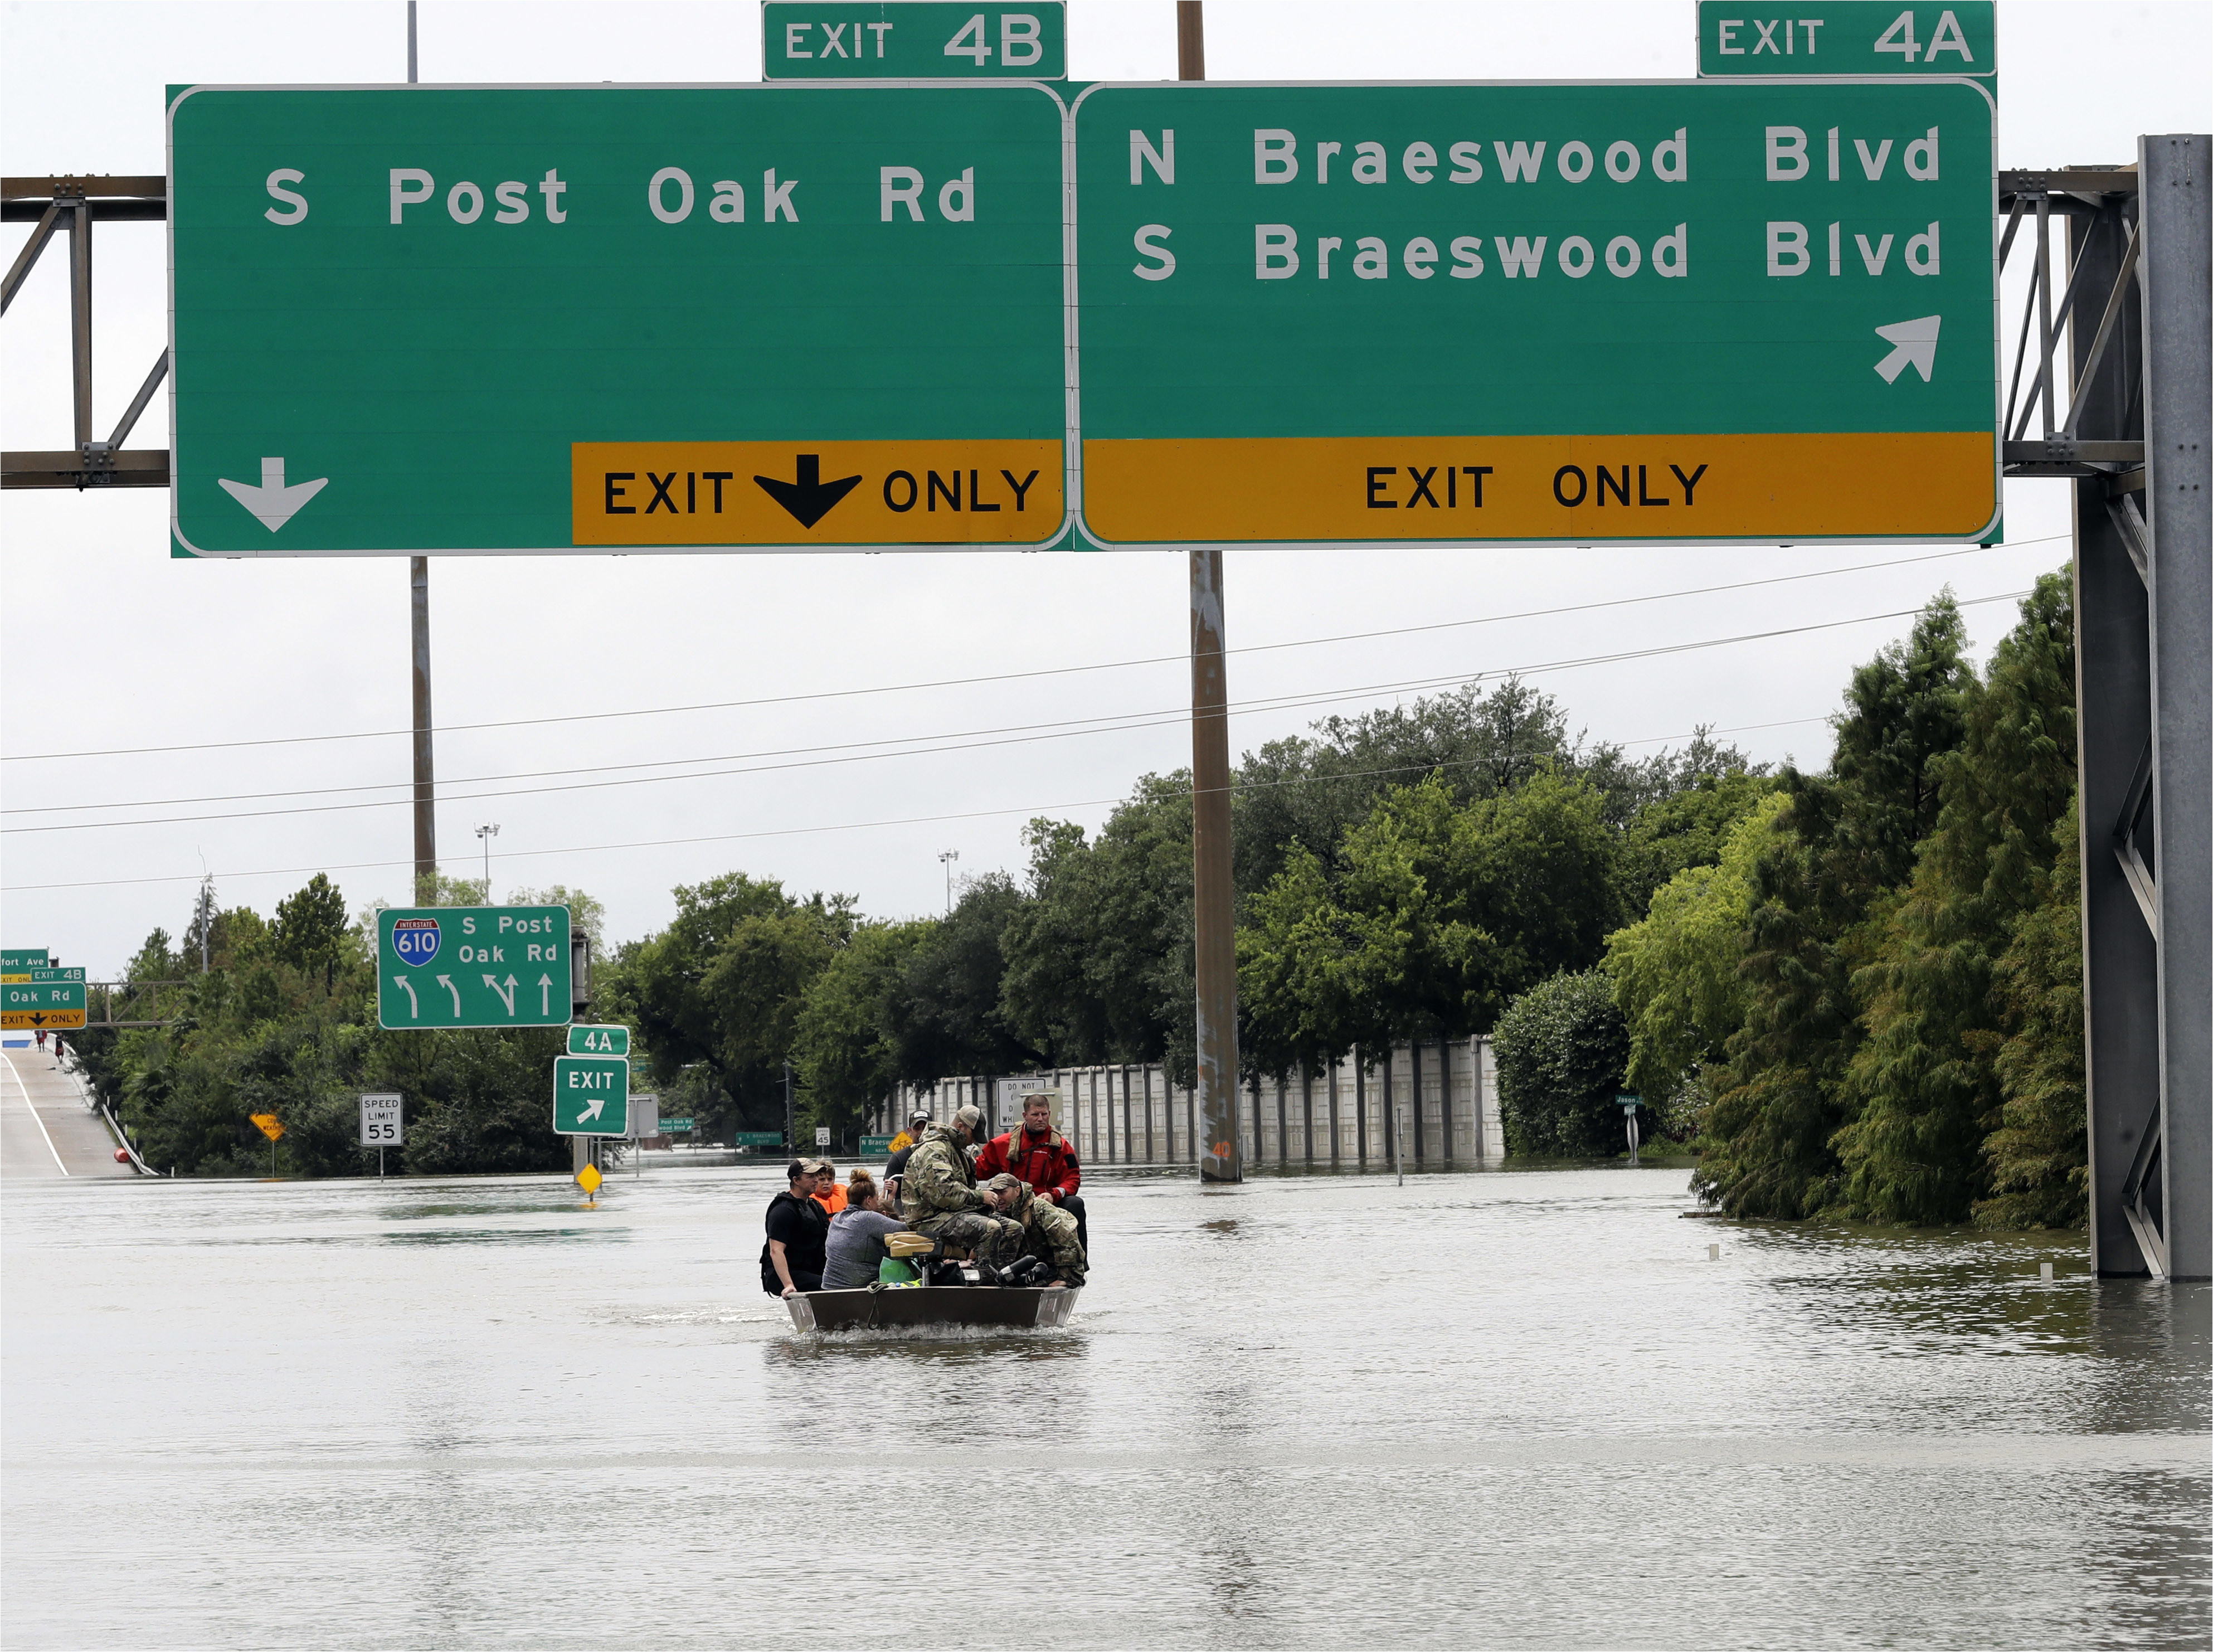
(1048, 1231)
(938, 1195)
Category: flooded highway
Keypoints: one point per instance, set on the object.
(1509, 1409)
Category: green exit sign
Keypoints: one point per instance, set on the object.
(22, 957)
(610, 318)
(912, 39)
(1847, 37)
(591, 1095)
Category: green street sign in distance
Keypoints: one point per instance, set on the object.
(17, 997)
(22, 958)
(757, 1138)
(1530, 312)
(441, 967)
(426, 318)
(600, 1041)
(591, 1095)
(1847, 37)
(913, 39)
(675, 1126)
(72, 973)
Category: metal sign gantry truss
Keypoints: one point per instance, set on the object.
(74, 205)
(2120, 389)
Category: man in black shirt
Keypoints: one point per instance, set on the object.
(798, 1232)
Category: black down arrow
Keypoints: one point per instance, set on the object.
(810, 498)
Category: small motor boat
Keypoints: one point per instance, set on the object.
(1016, 1307)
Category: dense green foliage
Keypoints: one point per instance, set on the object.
(1859, 989)
(1879, 987)
(1561, 1047)
(284, 1022)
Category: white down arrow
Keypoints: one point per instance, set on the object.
(273, 503)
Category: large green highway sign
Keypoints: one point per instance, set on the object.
(473, 966)
(829, 314)
(1707, 311)
(913, 39)
(591, 1095)
(1847, 37)
(602, 318)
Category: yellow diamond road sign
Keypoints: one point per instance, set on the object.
(588, 1179)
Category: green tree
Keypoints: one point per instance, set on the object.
(1440, 914)
(1924, 1084)
(2039, 1155)
(723, 984)
(311, 930)
(1561, 1048)
(1818, 892)
(1675, 971)
(846, 1046)
(948, 1015)
(1099, 956)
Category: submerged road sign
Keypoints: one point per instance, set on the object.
(913, 39)
(591, 1095)
(473, 966)
(1847, 37)
(1698, 310)
(380, 1124)
(424, 318)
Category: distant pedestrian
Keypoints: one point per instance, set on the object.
(42, 1038)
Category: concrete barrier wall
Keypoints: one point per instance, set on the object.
(1436, 1103)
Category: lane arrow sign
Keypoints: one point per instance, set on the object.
(273, 503)
(809, 499)
(506, 993)
(546, 994)
(1916, 343)
(598, 1107)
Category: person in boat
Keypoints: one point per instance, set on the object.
(917, 1122)
(798, 1231)
(827, 1193)
(938, 1197)
(1042, 1157)
(1048, 1234)
(856, 1250)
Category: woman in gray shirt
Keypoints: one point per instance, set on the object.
(855, 1246)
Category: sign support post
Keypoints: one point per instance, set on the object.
(1213, 896)
(418, 614)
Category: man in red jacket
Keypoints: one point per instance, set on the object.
(1040, 1155)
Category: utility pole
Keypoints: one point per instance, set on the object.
(419, 586)
(206, 918)
(790, 1123)
(1213, 899)
(484, 835)
(946, 860)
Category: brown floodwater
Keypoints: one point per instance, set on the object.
(1487, 1409)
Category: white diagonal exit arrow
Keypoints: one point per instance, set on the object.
(599, 1105)
(1916, 343)
(273, 503)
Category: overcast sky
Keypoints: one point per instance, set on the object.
(110, 644)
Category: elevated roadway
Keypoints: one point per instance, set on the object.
(46, 1132)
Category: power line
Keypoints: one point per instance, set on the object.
(858, 825)
(1018, 734)
(1016, 676)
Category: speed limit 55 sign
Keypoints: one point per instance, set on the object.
(380, 1121)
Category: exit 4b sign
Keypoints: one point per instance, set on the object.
(912, 39)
